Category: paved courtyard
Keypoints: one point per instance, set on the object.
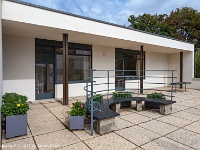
(147, 129)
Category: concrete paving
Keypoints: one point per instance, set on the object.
(144, 130)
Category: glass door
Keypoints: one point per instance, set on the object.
(44, 71)
(119, 75)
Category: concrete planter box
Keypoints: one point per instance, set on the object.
(76, 122)
(16, 125)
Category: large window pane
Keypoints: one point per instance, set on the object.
(78, 62)
(77, 65)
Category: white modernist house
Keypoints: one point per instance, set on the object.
(38, 44)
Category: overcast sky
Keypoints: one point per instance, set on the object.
(116, 11)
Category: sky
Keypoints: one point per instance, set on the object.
(116, 11)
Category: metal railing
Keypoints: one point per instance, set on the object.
(130, 79)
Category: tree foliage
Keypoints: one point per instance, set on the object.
(182, 24)
(151, 23)
(185, 24)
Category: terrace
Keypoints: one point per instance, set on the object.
(134, 130)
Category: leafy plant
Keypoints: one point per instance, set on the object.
(78, 109)
(14, 104)
(98, 97)
(156, 95)
(122, 94)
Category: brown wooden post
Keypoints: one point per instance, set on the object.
(181, 68)
(141, 68)
(65, 69)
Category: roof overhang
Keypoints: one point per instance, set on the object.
(32, 21)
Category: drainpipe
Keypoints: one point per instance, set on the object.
(1, 69)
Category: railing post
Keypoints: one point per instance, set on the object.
(108, 83)
(92, 103)
(87, 85)
(172, 84)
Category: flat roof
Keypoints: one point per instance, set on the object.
(91, 19)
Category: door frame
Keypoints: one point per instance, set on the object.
(46, 95)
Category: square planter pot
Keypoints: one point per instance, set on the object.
(76, 122)
(16, 125)
(152, 105)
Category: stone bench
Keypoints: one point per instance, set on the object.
(105, 119)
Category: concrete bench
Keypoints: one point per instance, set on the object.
(180, 83)
(105, 119)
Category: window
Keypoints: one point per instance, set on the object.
(79, 60)
(131, 61)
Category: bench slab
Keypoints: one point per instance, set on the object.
(105, 126)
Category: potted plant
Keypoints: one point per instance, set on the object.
(14, 109)
(76, 116)
(123, 94)
(153, 104)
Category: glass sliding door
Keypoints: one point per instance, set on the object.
(44, 72)
(119, 75)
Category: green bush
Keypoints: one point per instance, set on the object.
(78, 109)
(98, 97)
(121, 94)
(14, 104)
(197, 64)
(156, 95)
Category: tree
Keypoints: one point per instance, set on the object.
(185, 23)
(151, 23)
(197, 64)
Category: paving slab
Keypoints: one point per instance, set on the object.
(36, 106)
(193, 111)
(120, 123)
(173, 120)
(59, 111)
(158, 127)
(22, 144)
(186, 115)
(135, 118)
(37, 112)
(195, 127)
(137, 135)
(46, 127)
(85, 134)
(53, 104)
(186, 137)
(138, 148)
(56, 140)
(165, 144)
(109, 141)
(77, 146)
(150, 114)
(32, 119)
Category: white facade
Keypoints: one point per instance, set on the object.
(20, 30)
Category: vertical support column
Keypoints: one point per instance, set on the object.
(181, 68)
(65, 69)
(141, 68)
(1, 68)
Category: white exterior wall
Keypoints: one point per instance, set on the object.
(156, 61)
(19, 65)
(174, 64)
(99, 62)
